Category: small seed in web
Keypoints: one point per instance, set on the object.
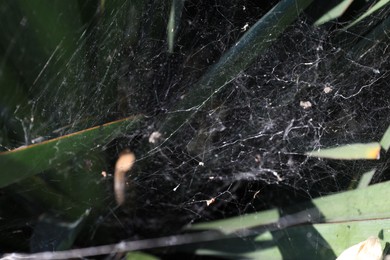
(210, 201)
(245, 27)
(327, 89)
(258, 158)
(177, 186)
(154, 137)
(305, 104)
(124, 163)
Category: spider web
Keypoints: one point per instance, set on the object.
(243, 151)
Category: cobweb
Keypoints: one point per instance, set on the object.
(244, 151)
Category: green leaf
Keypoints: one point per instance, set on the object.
(385, 141)
(307, 241)
(366, 179)
(358, 151)
(375, 37)
(140, 256)
(48, 48)
(36, 41)
(359, 204)
(11, 99)
(52, 29)
(36, 195)
(334, 13)
(252, 44)
(233, 224)
(326, 227)
(373, 9)
(27, 161)
(321, 241)
(173, 22)
(68, 190)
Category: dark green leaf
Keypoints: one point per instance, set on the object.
(27, 161)
(380, 4)
(252, 44)
(53, 234)
(367, 204)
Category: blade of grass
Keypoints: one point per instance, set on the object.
(373, 9)
(352, 217)
(135, 21)
(30, 160)
(109, 63)
(173, 22)
(252, 44)
(266, 245)
(140, 256)
(385, 141)
(358, 151)
(359, 204)
(360, 181)
(366, 179)
(374, 38)
(339, 236)
(334, 13)
(321, 241)
(234, 224)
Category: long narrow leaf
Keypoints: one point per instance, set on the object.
(173, 22)
(252, 44)
(334, 13)
(373, 9)
(366, 179)
(369, 151)
(375, 37)
(385, 141)
(346, 219)
(319, 241)
(27, 161)
(359, 204)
